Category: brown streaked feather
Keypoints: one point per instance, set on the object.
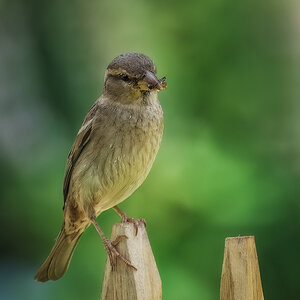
(80, 142)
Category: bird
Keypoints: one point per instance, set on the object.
(111, 156)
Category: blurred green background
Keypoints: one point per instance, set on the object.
(230, 158)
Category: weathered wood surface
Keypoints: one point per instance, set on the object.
(125, 283)
(240, 273)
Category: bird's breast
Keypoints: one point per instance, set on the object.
(126, 148)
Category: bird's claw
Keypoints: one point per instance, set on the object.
(136, 222)
(118, 240)
(113, 253)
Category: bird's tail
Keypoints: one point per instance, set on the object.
(56, 264)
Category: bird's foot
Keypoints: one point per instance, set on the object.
(125, 219)
(113, 253)
(136, 222)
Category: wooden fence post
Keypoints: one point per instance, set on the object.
(240, 273)
(125, 283)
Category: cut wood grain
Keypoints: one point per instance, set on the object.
(240, 273)
(125, 283)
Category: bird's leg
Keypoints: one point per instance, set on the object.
(126, 219)
(110, 246)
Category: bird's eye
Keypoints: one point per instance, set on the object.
(124, 77)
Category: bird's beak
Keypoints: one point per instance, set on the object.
(152, 82)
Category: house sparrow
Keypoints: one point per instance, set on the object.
(112, 155)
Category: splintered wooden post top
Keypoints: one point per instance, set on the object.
(125, 283)
(240, 273)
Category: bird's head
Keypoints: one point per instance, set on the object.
(130, 77)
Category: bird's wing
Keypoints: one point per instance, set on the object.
(80, 142)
